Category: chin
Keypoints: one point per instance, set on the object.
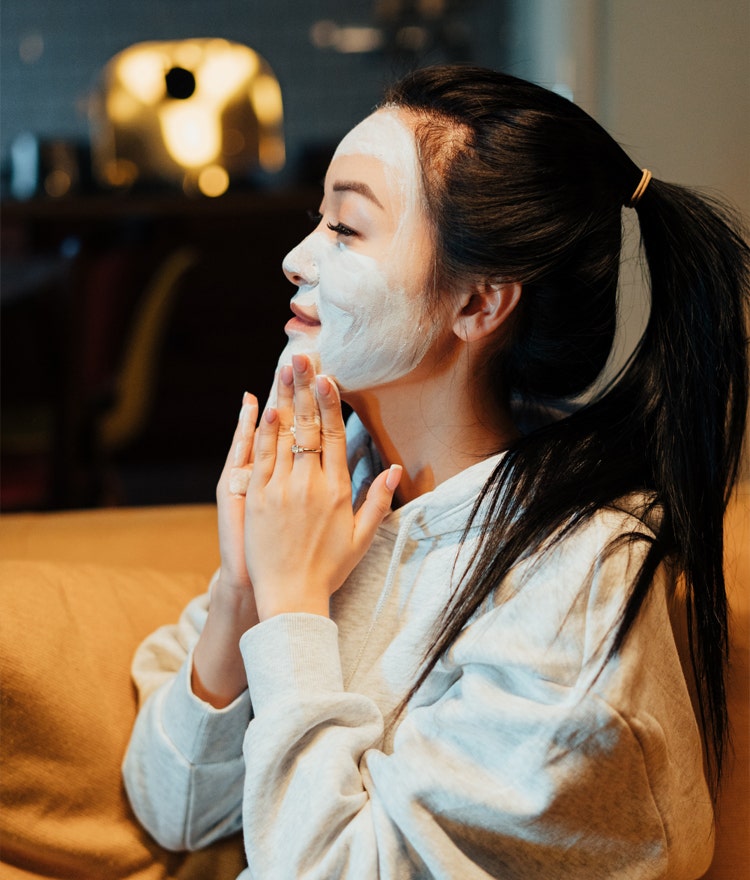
(300, 344)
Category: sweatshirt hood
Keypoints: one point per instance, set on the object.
(444, 510)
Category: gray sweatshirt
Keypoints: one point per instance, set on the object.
(525, 755)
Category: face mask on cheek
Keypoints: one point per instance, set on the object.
(375, 326)
(372, 331)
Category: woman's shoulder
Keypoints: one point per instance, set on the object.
(632, 520)
(638, 511)
(600, 554)
(572, 592)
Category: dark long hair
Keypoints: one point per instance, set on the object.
(523, 185)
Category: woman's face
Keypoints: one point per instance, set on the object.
(361, 308)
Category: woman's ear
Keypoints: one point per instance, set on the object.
(486, 307)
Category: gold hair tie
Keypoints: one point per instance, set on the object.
(640, 189)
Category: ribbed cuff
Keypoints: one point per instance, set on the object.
(201, 733)
(291, 653)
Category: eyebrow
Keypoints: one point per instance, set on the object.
(358, 187)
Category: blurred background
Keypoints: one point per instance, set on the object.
(159, 157)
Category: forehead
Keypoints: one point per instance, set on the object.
(385, 136)
(382, 152)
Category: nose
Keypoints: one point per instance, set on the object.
(300, 266)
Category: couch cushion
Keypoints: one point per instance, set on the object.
(732, 854)
(171, 538)
(67, 637)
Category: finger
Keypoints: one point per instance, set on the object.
(239, 479)
(376, 505)
(332, 428)
(266, 438)
(239, 455)
(285, 397)
(243, 436)
(285, 410)
(306, 414)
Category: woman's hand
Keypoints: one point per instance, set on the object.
(302, 538)
(218, 674)
(230, 499)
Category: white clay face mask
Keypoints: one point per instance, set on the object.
(367, 289)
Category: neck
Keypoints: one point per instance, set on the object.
(433, 427)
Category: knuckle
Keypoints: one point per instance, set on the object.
(341, 491)
(306, 420)
(334, 434)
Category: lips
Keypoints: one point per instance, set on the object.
(302, 320)
(306, 317)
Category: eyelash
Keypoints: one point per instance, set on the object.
(338, 228)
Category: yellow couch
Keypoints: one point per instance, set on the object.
(78, 591)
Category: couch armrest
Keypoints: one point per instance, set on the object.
(169, 539)
(79, 591)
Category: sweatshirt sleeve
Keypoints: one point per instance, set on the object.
(183, 768)
(492, 776)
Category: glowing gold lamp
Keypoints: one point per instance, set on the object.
(197, 113)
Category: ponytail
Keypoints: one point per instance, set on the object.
(670, 425)
(693, 360)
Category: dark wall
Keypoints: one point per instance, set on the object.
(51, 52)
(77, 270)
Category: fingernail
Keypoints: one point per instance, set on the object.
(270, 415)
(299, 362)
(394, 477)
(322, 385)
(286, 375)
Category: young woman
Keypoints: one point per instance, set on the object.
(439, 641)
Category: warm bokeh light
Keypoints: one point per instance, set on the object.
(191, 132)
(266, 98)
(122, 106)
(233, 141)
(271, 154)
(213, 181)
(170, 111)
(225, 70)
(140, 73)
(188, 54)
(120, 172)
(57, 183)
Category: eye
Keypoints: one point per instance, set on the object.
(340, 229)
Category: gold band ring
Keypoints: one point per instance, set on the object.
(296, 449)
